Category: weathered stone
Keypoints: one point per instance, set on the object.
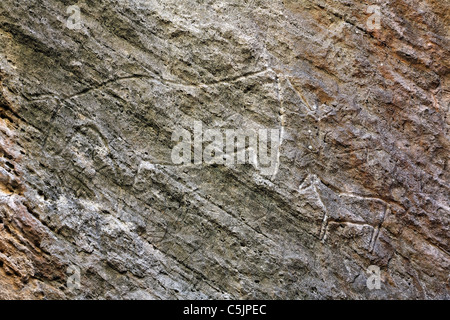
(87, 179)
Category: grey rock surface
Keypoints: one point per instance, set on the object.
(87, 113)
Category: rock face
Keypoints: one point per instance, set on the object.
(92, 205)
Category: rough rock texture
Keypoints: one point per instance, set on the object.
(86, 177)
